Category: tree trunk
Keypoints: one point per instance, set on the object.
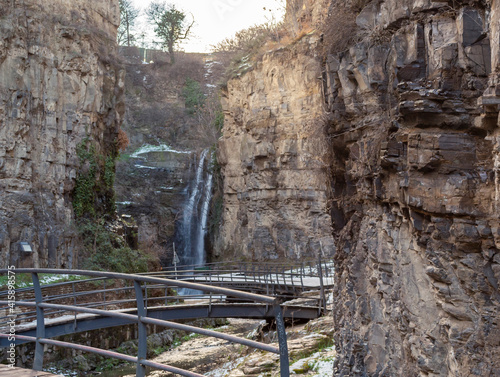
(128, 30)
(171, 52)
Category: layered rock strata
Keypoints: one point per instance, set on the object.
(274, 155)
(59, 84)
(414, 129)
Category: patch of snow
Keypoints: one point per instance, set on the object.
(299, 366)
(145, 167)
(61, 373)
(318, 362)
(124, 203)
(147, 148)
(49, 279)
(53, 278)
(323, 368)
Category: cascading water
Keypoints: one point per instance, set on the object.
(202, 230)
(195, 215)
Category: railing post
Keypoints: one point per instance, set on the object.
(322, 287)
(143, 334)
(40, 323)
(302, 272)
(104, 293)
(74, 303)
(210, 305)
(282, 341)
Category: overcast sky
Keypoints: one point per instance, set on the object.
(219, 19)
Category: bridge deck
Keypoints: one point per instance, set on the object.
(6, 371)
(306, 282)
(69, 324)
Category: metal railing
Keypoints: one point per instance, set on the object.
(271, 278)
(284, 282)
(43, 308)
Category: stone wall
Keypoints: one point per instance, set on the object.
(59, 83)
(274, 155)
(414, 129)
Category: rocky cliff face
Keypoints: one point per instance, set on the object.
(274, 159)
(412, 104)
(58, 85)
(414, 130)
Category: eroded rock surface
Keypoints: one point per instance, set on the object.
(274, 159)
(58, 85)
(413, 108)
(414, 115)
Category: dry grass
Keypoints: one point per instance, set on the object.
(339, 29)
(249, 45)
(123, 140)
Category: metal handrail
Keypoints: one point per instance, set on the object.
(203, 276)
(142, 319)
(26, 316)
(237, 265)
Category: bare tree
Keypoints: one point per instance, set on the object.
(171, 25)
(128, 16)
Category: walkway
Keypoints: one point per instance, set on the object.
(44, 312)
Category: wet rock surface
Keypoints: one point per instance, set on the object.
(151, 189)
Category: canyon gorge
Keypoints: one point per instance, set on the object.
(370, 137)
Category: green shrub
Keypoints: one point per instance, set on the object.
(193, 95)
(93, 193)
(106, 251)
(84, 192)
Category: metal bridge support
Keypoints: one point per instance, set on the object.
(280, 327)
(40, 324)
(143, 332)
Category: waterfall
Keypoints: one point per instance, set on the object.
(200, 257)
(195, 216)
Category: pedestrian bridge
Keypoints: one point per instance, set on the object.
(42, 312)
